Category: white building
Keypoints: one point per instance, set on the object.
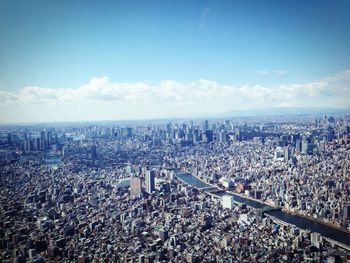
(227, 201)
(226, 182)
(123, 183)
(315, 239)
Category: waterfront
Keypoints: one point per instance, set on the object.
(192, 180)
(123, 178)
(300, 222)
(197, 183)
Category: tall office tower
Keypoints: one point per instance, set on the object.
(38, 143)
(49, 138)
(209, 136)
(206, 125)
(135, 187)
(168, 127)
(150, 184)
(43, 140)
(93, 152)
(304, 146)
(9, 139)
(325, 120)
(286, 154)
(298, 145)
(26, 146)
(129, 132)
(222, 137)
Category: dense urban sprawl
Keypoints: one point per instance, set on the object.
(110, 192)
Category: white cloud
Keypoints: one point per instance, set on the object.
(343, 75)
(7, 97)
(173, 98)
(102, 89)
(311, 89)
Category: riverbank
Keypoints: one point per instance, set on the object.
(316, 220)
(228, 191)
(339, 236)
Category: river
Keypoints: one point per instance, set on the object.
(300, 222)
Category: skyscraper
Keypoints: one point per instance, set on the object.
(286, 154)
(304, 146)
(298, 145)
(135, 187)
(150, 184)
(206, 125)
(93, 151)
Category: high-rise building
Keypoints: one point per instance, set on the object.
(298, 145)
(129, 132)
(222, 137)
(209, 136)
(43, 140)
(168, 127)
(135, 187)
(38, 143)
(227, 201)
(315, 239)
(150, 184)
(304, 147)
(346, 211)
(93, 151)
(286, 154)
(206, 125)
(9, 139)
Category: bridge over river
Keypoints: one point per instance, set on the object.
(336, 236)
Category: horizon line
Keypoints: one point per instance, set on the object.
(224, 115)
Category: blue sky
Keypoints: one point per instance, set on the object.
(254, 49)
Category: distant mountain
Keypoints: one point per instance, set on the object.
(284, 111)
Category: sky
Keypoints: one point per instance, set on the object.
(117, 60)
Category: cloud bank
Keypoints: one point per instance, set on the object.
(102, 89)
(102, 98)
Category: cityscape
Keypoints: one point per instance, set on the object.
(262, 189)
(188, 131)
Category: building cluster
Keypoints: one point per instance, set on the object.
(109, 192)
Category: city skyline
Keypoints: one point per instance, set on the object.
(85, 61)
(218, 190)
(174, 131)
